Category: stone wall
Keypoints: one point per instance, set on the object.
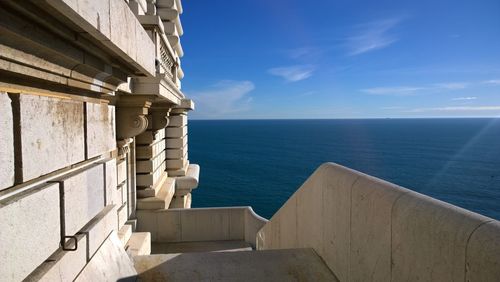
(366, 229)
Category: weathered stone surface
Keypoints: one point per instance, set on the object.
(147, 152)
(139, 244)
(24, 242)
(162, 199)
(483, 253)
(100, 267)
(176, 153)
(83, 197)
(150, 179)
(429, 239)
(124, 234)
(176, 132)
(98, 229)
(111, 183)
(176, 164)
(122, 215)
(175, 143)
(6, 142)
(101, 135)
(121, 171)
(145, 166)
(177, 121)
(51, 134)
(62, 265)
(190, 181)
(371, 207)
(150, 137)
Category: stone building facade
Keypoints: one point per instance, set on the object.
(93, 129)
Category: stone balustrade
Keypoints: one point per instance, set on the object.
(366, 229)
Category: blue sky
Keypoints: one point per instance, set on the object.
(259, 59)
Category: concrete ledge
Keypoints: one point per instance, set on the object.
(200, 224)
(185, 184)
(368, 229)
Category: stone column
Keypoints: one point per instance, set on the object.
(177, 155)
(154, 190)
(131, 120)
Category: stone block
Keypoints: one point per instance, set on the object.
(205, 225)
(176, 132)
(121, 171)
(483, 253)
(139, 244)
(147, 221)
(371, 207)
(100, 269)
(83, 197)
(176, 143)
(181, 202)
(6, 142)
(123, 29)
(111, 182)
(121, 194)
(124, 234)
(62, 265)
(169, 226)
(162, 199)
(145, 166)
(176, 153)
(24, 242)
(122, 215)
(101, 135)
(176, 164)
(99, 228)
(179, 172)
(149, 137)
(190, 181)
(429, 239)
(150, 179)
(146, 152)
(97, 14)
(52, 135)
(177, 121)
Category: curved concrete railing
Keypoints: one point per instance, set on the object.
(366, 229)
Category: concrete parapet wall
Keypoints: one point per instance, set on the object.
(366, 229)
(200, 224)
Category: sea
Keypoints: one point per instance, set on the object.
(261, 163)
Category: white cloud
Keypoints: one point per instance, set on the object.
(224, 98)
(395, 91)
(464, 98)
(303, 53)
(492, 81)
(293, 73)
(458, 109)
(452, 85)
(372, 36)
(415, 90)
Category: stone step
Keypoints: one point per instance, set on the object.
(124, 234)
(271, 265)
(200, 246)
(161, 200)
(139, 244)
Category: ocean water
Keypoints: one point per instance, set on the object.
(261, 163)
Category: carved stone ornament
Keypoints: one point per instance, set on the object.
(131, 116)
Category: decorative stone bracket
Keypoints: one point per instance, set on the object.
(131, 112)
(159, 113)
